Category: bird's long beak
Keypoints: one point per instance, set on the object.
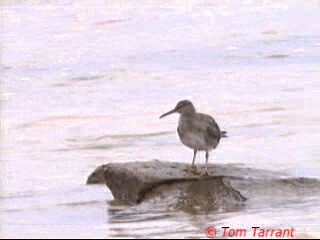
(168, 113)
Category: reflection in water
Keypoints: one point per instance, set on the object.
(109, 141)
(278, 56)
(87, 78)
(153, 218)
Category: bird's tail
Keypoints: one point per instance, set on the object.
(224, 134)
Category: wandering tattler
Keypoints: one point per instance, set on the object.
(197, 131)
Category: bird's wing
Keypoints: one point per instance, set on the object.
(214, 131)
(212, 128)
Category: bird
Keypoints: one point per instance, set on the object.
(197, 131)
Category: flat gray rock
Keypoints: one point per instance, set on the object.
(134, 182)
(230, 187)
(97, 177)
(177, 170)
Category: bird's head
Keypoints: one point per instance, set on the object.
(182, 107)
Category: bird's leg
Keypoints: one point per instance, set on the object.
(193, 168)
(206, 171)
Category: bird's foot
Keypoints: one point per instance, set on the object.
(205, 173)
(192, 169)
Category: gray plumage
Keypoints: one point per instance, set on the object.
(197, 131)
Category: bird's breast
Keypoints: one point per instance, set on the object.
(192, 137)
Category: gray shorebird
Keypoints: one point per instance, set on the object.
(197, 131)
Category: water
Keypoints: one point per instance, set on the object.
(83, 84)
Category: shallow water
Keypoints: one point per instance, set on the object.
(83, 84)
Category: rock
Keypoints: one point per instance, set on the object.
(198, 196)
(134, 182)
(233, 170)
(161, 186)
(97, 177)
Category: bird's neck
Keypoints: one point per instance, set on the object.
(189, 113)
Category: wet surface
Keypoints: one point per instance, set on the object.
(84, 84)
